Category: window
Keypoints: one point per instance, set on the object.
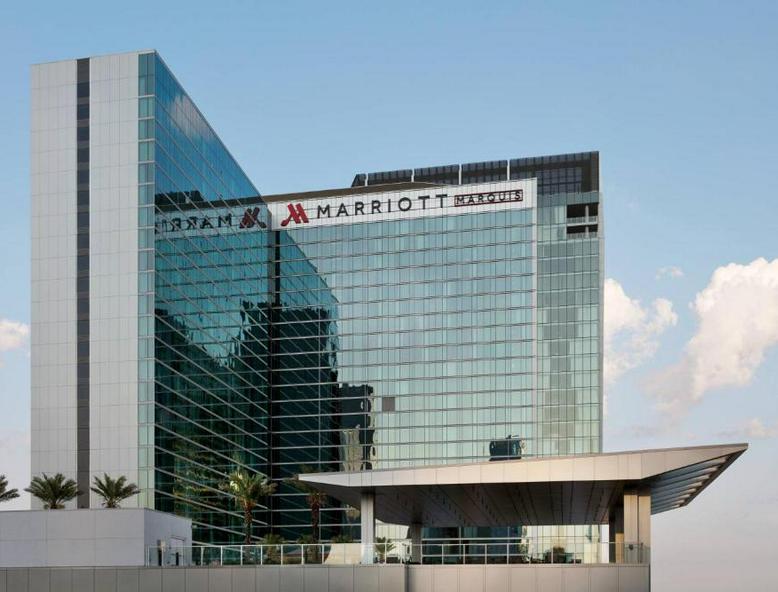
(83, 220)
(146, 107)
(145, 151)
(146, 195)
(82, 265)
(145, 129)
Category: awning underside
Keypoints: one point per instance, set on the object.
(577, 490)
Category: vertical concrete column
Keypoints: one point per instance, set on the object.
(637, 522)
(644, 517)
(631, 534)
(414, 533)
(644, 525)
(367, 517)
(616, 534)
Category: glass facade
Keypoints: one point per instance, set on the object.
(471, 337)
(567, 327)
(204, 312)
(306, 396)
(447, 338)
(435, 315)
(217, 329)
(568, 274)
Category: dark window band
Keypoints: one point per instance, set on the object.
(82, 284)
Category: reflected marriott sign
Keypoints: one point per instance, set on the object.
(394, 205)
(248, 218)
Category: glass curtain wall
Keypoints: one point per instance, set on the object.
(306, 393)
(205, 309)
(435, 325)
(466, 335)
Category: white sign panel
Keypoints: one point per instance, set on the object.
(399, 205)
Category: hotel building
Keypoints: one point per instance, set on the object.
(184, 325)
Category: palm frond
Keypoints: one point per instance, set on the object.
(113, 491)
(53, 491)
(248, 489)
(5, 493)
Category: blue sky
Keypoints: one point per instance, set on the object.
(678, 97)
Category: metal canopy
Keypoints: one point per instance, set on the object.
(533, 491)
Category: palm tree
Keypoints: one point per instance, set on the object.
(248, 490)
(272, 538)
(113, 491)
(383, 546)
(313, 497)
(5, 493)
(272, 543)
(310, 548)
(53, 491)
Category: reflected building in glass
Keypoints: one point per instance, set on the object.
(474, 319)
(185, 326)
(545, 390)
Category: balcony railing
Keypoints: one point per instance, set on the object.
(581, 220)
(399, 552)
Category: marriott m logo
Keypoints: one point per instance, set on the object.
(296, 214)
(251, 219)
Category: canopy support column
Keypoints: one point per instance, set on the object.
(367, 518)
(414, 533)
(616, 534)
(637, 522)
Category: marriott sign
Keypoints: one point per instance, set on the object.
(354, 208)
(397, 205)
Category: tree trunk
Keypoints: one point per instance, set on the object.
(315, 521)
(247, 519)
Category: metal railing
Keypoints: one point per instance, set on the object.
(400, 552)
(581, 220)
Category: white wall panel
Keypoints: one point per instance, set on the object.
(114, 266)
(53, 269)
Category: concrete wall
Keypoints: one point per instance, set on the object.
(113, 269)
(204, 579)
(53, 538)
(113, 273)
(53, 269)
(385, 578)
(528, 578)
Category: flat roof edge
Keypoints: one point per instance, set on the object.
(740, 448)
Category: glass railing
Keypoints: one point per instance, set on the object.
(581, 220)
(401, 552)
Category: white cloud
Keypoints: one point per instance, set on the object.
(756, 429)
(753, 429)
(671, 271)
(632, 331)
(13, 334)
(737, 322)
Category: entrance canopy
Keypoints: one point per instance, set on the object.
(532, 491)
